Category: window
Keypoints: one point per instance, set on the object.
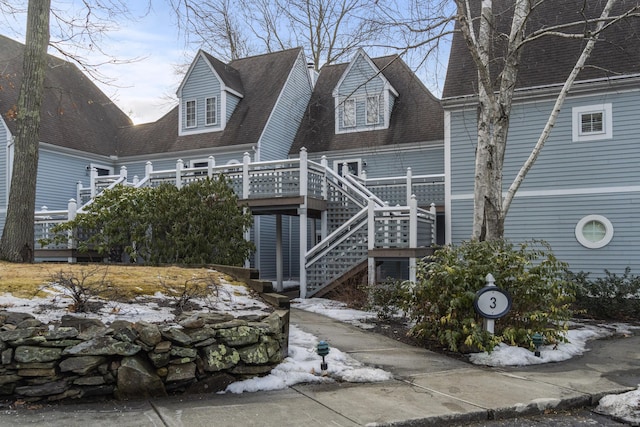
(349, 113)
(354, 166)
(190, 114)
(373, 110)
(211, 113)
(592, 122)
(594, 231)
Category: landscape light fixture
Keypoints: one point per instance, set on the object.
(538, 340)
(323, 350)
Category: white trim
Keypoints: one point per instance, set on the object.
(206, 110)
(366, 110)
(589, 243)
(447, 177)
(361, 53)
(418, 146)
(198, 55)
(337, 165)
(185, 105)
(192, 162)
(102, 166)
(607, 122)
(344, 113)
(563, 192)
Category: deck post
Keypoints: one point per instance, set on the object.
(434, 230)
(304, 174)
(324, 215)
(413, 235)
(93, 175)
(279, 262)
(72, 210)
(148, 170)
(302, 212)
(371, 241)
(179, 166)
(211, 162)
(123, 173)
(409, 185)
(79, 191)
(246, 159)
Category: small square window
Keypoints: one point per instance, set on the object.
(211, 113)
(349, 113)
(592, 122)
(373, 110)
(190, 114)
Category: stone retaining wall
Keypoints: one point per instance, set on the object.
(80, 358)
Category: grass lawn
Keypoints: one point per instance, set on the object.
(26, 280)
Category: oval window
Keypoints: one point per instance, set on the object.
(594, 231)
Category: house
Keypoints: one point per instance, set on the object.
(582, 195)
(247, 118)
(375, 116)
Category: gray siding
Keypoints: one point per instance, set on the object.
(562, 163)
(287, 114)
(361, 81)
(232, 103)
(554, 219)
(200, 84)
(379, 164)
(569, 181)
(58, 175)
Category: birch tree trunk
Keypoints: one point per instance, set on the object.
(495, 103)
(17, 240)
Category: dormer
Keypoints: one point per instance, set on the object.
(208, 95)
(363, 97)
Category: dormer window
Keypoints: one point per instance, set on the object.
(373, 110)
(211, 111)
(349, 113)
(190, 114)
(363, 97)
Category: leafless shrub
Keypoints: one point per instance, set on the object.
(204, 289)
(85, 289)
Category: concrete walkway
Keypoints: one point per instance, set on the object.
(428, 389)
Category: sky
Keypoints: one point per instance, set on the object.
(145, 88)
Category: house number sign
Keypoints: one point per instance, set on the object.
(491, 302)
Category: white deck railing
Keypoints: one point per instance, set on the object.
(358, 216)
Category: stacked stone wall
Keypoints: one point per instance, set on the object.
(81, 358)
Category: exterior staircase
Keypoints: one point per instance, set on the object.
(357, 226)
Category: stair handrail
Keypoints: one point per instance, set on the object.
(356, 183)
(328, 242)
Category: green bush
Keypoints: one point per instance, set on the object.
(200, 223)
(613, 297)
(441, 302)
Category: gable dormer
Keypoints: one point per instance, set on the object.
(208, 95)
(363, 97)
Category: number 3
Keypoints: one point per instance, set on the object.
(493, 302)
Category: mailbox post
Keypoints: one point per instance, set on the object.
(491, 303)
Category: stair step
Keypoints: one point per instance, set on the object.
(277, 300)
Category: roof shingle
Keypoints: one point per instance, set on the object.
(74, 114)
(549, 59)
(417, 115)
